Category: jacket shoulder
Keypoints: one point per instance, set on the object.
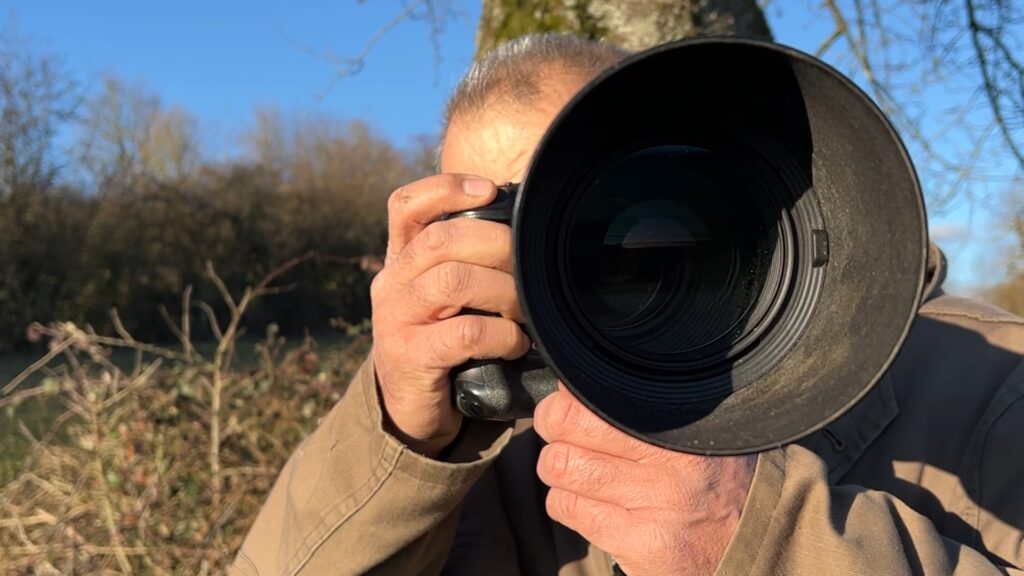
(979, 310)
(995, 325)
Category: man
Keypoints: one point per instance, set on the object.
(922, 476)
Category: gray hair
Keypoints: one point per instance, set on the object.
(514, 71)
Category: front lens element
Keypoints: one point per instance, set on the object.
(668, 253)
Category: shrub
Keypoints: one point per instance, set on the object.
(162, 467)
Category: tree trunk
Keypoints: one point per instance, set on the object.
(632, 24)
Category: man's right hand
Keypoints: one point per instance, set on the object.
(434, 269)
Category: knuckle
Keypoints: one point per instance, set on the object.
(452, 183)
(585, 470)
(420, 293)
(453, 279)
(377, 287)
(436, 237)
(398, 200)
(470, 331)
(556, 461)
(563, 417)
(562, 504)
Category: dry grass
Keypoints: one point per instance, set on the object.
(160, 469)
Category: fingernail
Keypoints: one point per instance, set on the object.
(477, 186)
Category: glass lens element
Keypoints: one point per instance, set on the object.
(667, 253)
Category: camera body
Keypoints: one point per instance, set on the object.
(491, 390)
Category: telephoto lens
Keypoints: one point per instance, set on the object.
(720, 268)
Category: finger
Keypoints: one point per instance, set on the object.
(454, 341)
(598, 522)
(413, 206)
(560, 417)
(447, 288)
(467, 240)
(598, 476)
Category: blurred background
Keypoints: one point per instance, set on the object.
(192, 205)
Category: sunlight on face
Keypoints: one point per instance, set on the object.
(498, 141)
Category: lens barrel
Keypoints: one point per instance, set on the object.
(722, 268)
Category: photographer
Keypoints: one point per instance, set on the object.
(922, 476)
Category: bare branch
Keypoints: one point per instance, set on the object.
(436, 12)
(115, 319)
(898, 67)
(224, 292)
(172, 326)
(186, 323)
(55, 351)
(829, 42)
(136, 382)
(992, 90)
(22, 395)
(263, 284)
(211, 316)
(352, 65)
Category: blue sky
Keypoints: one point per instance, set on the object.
(222, 60)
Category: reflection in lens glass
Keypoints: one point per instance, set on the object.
(667, 253)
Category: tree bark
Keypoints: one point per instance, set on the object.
(632, 24)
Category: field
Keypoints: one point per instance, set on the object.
(37, 414)
(156, 461)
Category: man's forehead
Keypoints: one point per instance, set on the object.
(491, 145)
(498, 141)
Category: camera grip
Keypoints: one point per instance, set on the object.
(492, 389)
(502, 390)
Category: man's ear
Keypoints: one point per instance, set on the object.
(935, 273)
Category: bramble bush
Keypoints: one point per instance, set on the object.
(161, 468)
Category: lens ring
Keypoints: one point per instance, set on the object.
(645, 340)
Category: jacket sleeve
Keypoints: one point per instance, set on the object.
(794, 522)
(353, 499)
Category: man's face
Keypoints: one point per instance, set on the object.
(498, 142)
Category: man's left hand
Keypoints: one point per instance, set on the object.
(656, 511)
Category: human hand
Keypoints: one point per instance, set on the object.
(433, 270)
(656, 511)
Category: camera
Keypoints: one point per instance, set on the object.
(719, 246)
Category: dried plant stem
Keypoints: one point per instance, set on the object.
(221, 360)
(115, 535)
(57, 350)
(114, 486)
(89, 549)
(186, 321)
(101, 480)
(21, 395)
(184, 332)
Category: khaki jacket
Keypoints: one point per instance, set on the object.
(924, 476)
